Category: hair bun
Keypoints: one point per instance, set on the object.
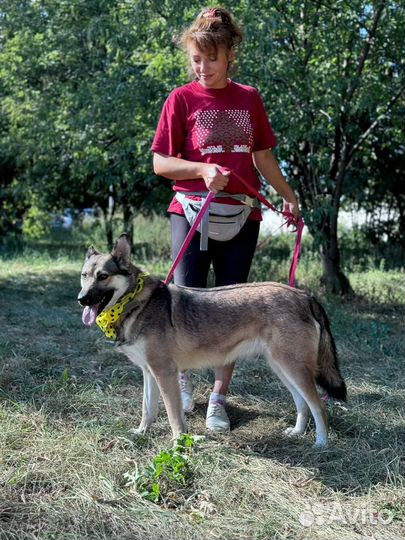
(217, 13)
(209, 13)
(213, 28)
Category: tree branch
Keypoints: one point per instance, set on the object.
(366, 51)
(364, 136)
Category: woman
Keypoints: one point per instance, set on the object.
(210, 125)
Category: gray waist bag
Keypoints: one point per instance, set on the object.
(222, 221)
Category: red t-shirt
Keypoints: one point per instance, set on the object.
(222, 126)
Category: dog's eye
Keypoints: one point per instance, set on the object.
(102, 276)
(84, 274)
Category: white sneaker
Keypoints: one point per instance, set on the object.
(217, 419)
(186, 391)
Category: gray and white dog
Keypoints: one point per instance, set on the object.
(167, 329)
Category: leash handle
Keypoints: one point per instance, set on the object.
(190, 234)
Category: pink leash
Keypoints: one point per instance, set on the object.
(189, 236)
(290, 220)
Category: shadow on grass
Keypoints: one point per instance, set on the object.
(63, 246)
(34, 287)
(362, 452)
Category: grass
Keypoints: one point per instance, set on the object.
(68, 401)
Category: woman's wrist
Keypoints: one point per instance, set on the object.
(178, 169)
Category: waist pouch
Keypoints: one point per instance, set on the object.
(224, 221)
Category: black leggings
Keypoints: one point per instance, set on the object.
(231, 260)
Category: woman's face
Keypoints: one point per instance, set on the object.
(210, 69)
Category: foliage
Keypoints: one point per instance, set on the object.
(333, 75)
(381, 174)
(80, 101)
(37, 223)
(82, 84)
(166, 472)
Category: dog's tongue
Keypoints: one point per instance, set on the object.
(89, 315)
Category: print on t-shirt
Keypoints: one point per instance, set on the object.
(223, 131)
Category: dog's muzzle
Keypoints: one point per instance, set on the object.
(93, 304)
(83, 299)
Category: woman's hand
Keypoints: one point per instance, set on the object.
(292, 207)
(268, 167)
(180, 169)
(214, 179)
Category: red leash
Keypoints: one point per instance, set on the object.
(290, 220)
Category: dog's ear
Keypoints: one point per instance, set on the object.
(91, 251)
(121, 251)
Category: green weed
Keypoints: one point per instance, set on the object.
(167, 472)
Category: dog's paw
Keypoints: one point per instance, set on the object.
(292, 432)
(138, 432)
(321, 444)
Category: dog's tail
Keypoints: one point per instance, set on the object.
(329, 376)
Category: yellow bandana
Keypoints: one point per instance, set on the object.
(107, 320)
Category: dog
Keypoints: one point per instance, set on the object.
(165, 329)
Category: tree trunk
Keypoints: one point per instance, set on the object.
(333, 278)
(128, 216)
(109, 232)
(108, 213)
(108, 227)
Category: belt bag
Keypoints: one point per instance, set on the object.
(224, 220)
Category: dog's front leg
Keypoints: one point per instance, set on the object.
(150, 402)
(167, 378)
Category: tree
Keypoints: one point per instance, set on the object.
(328, 66)
(82, 84)
(81, 99)
(380, 189)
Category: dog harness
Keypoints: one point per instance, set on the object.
(107, 320)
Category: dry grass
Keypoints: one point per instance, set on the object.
(68, 402)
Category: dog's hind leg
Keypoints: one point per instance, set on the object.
(150, 402)
(301, 383)
(304, 385)
(302, 411)
(300, 403)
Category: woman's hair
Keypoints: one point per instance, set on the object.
(211, 29)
